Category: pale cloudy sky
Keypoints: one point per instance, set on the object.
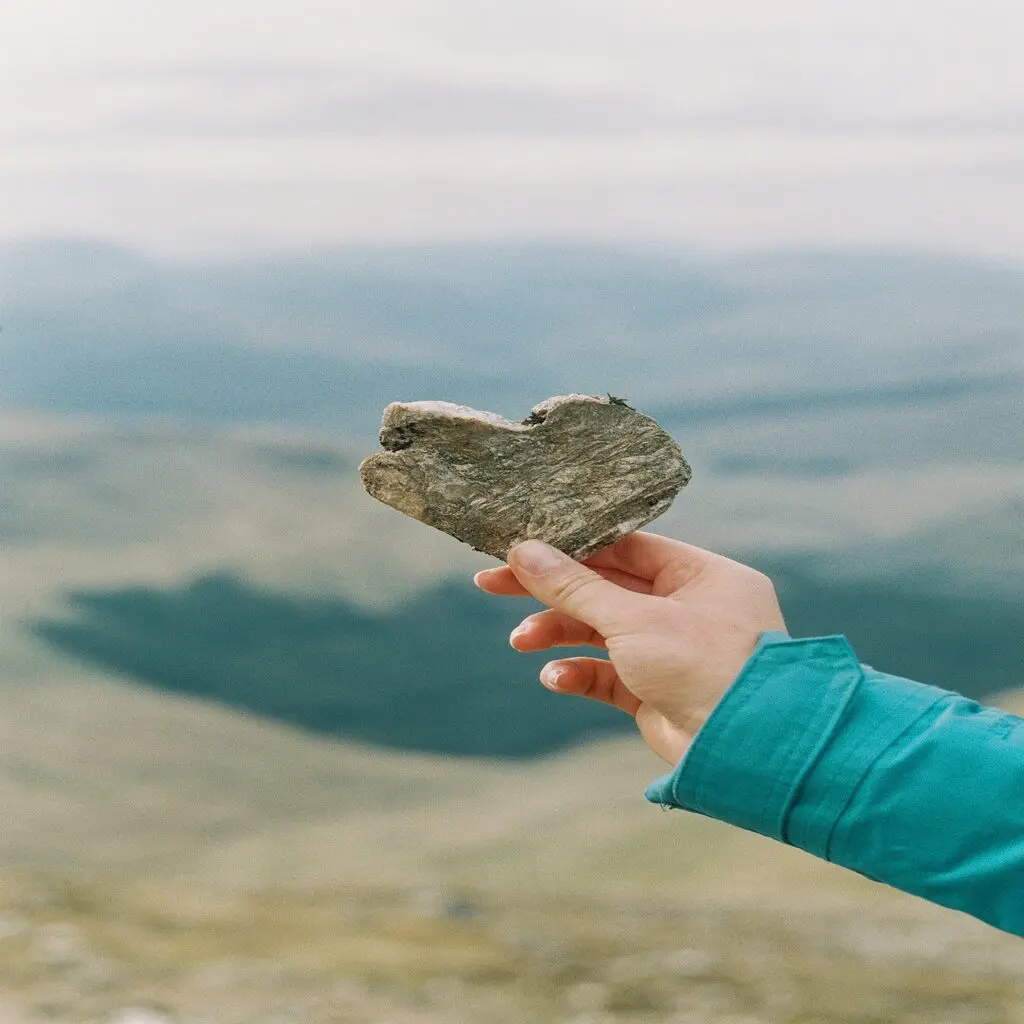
(199, 127)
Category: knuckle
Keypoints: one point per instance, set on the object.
(570, 589)
(556, 626)
(590, 680)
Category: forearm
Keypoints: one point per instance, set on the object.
(904, 783)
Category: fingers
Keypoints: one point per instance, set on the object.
(645, 555)
(592, 678)
(632, 562)
(553, 629)
(502, 581)
(567, 586)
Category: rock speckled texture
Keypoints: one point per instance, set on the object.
(579, 472)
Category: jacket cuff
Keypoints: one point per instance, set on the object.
(789, 742)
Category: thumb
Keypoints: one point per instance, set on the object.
(565, 585)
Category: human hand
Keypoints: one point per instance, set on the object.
(678, 623)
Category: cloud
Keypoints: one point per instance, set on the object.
(747, 121)
(245, 100)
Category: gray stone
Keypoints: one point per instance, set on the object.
(579, 472)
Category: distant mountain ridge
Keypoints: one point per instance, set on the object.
(327, 338)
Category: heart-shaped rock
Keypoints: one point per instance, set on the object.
(579, 472)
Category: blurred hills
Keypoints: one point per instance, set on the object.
(250, 719)
(327, 338)
(811, 390)
(180, 441)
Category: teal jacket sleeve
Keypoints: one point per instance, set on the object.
(907, 784)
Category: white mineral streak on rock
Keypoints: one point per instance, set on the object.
(410, 411)
(579, 472)
(139, 1015)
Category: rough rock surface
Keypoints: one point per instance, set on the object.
(579, 472)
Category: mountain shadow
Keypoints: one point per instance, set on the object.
(437, 675)
(434, 675)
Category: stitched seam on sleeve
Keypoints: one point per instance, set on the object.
(827, 719)
(782, 792)
(930, 710)
(843, 766)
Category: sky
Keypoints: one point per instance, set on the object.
(193, 129)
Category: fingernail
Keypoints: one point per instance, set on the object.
(535, 557)
(552, 676)
(517, 632)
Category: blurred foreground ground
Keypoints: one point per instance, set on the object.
(172, 862)
(144, 954)
(165, 860)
